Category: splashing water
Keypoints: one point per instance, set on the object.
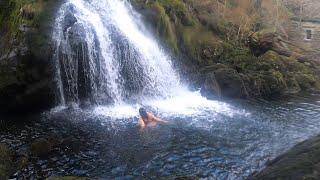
(106, 56)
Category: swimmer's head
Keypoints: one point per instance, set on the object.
(143, 113)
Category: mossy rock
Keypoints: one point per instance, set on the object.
(230, 83)
(273, 60)
(262, 41)
(306, 81)
(41, 147)
(5, 162)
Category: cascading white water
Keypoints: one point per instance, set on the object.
(104, 55)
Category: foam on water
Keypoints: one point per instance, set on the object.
(121, 111)
(188, 105)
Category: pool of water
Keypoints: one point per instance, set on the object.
(205, 139)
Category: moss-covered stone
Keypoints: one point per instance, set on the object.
(5, 162)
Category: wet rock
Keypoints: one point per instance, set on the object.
(26, 72)
(71, 144)
(41, 147)
(226, 82)
(5, 162)
(211, 86)
(185, 178)
(25, 85)
(301, 162)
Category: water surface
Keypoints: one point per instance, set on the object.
(212, 139)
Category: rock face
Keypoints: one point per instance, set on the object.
(301, 162)
(224, 82)
(26, 71)
(5, 162)
(25, 85)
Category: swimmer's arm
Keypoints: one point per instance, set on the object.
(141, 124)
(159, 120)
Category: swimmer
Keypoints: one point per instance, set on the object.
(147, 119)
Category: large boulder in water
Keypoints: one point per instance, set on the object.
(301, 162)
(225, 82)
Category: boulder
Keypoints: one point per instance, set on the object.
(71, 144)
(26, 85)
(301, 162)
(5, 162)
(211, 86)
(41, 147)
(261, 42)
(225, 82)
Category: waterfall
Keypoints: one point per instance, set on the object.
(105, 55)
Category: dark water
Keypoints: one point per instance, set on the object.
(209, 144)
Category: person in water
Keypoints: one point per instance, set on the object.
(147, 119)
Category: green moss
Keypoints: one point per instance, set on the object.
(197, 41)
(164, 26)
(16, 13)
(176, 9)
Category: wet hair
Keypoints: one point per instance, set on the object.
(143, 113)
